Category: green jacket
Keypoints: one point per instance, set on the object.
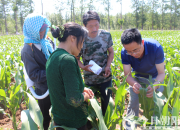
(65, 89)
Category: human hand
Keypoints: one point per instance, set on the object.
(86, 96)
(136, 87)
(107, 71)
(149, 92)
(87, 68)
(89, 92)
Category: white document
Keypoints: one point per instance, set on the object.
(95, 68)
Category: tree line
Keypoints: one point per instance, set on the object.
(145, 15)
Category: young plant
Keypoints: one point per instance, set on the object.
(32, 118)
(13, 103)
(13, 99)
(151, 106)
(114, 112)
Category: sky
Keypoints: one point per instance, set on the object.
(49, 6)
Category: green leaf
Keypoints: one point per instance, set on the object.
(14, 97)
(176, 107)
(17, 88)
(98, 111)
(92, 117)
(18, 77)
(119, 61)
(113, 89)
(27, 122)
(35, 111)
(159, 104)
(113, 126)
(2, 78)
(120, 93)
(147, 104)
(109, 111)
(170, 85)
(2, 93)
(119, 104)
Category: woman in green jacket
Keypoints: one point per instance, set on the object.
(67, 93)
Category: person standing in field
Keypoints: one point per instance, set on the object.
(34, 55)
(145, 57)
(68, 95)
(97, 47)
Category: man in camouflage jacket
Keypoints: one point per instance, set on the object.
(95, 47)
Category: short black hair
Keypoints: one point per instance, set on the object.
(90, 15)
(131, 35)
(70, 28)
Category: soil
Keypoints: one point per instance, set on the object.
(6, 122)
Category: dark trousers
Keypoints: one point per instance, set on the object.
(104, 97)
(44, 105)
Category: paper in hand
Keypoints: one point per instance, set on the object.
(95, 68)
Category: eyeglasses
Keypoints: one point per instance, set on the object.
(133, 52)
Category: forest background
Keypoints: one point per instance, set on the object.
(114, 14)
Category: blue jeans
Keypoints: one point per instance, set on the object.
(133, 105)
(104, 96)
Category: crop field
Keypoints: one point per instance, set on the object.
(19, 110)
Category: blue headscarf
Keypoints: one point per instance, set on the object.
(31, 28)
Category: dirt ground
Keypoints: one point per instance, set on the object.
(6, 122)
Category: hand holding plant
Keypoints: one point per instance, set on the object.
(86, 96)
(89, 92)
(136, 87)
(149, 92)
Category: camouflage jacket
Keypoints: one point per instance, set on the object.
(96, 49)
